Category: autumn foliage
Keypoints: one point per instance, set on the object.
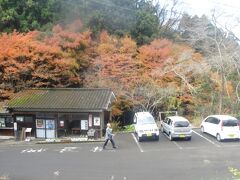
(37, 59)
(163, 74)
(114, 62)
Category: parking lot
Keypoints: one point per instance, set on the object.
(201, 158)
(199, 141)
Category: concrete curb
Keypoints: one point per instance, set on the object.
(68, 142)
(58, 141)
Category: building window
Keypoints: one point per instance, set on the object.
(6, 122)
(19, 118)
(2, 122)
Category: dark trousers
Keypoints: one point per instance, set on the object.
(106, 141)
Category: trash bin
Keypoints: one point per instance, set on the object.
(91, 134)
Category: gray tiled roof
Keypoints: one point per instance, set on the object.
(62, 100)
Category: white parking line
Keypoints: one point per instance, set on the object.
(124, 178)
(96, 149)
(206, 139)
(68, 149)
(179, 147)
(135, 139)
(33, 150)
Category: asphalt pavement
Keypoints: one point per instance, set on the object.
(202, 158)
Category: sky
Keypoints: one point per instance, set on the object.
(230, 7)
(228, 11)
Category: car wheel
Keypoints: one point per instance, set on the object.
(139, 139)
(202, 129)
(219, 137)
(170, 137)
(189, 139)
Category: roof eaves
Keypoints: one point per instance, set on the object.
(55, 110)
(112, 96)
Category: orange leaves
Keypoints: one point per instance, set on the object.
(228, 85)
(128, 45)
(106, 48)
(13, 45)
(104, 37)
(35, 59)
(67, 40)
(121, 60)
(156, 51)
(107, 44)
(115, 60)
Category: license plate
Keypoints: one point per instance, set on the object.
(149, 134)
(231, 135)
(181, 136)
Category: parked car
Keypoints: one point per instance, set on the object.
(221, 126)
(176, 127)
(145, 126)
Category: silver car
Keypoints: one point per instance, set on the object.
(176, 127)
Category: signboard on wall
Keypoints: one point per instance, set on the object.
(61, 123)
(90, 120)
(96, 121)
(19, 118)
(28, 130)
(15, 126)
(50, 124)
(84, 124)
(40, 123)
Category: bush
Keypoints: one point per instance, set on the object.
(235, 172)
(128, 128)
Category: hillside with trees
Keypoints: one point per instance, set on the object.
(152, 56)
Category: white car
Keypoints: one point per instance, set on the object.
(145, 126)
(221, 126)
(176, 127)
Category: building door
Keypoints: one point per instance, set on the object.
(50, 128)
(45, 128)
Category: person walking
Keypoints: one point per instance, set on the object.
(109, 136)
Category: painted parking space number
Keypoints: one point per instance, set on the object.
(30, 150)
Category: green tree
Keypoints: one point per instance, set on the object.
(97, 23)
(147, 22)
(117, 17)
(146, 28)
(26, 15)
(142, 19)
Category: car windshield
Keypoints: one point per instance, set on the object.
(181, 124)
(230, 122)
(146, 120)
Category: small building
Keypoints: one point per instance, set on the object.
(57, 112)
(6, 122)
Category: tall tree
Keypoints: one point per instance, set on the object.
(169, 15)
(147, 23)
(26, 15)
(221, 51)
(36, 59)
